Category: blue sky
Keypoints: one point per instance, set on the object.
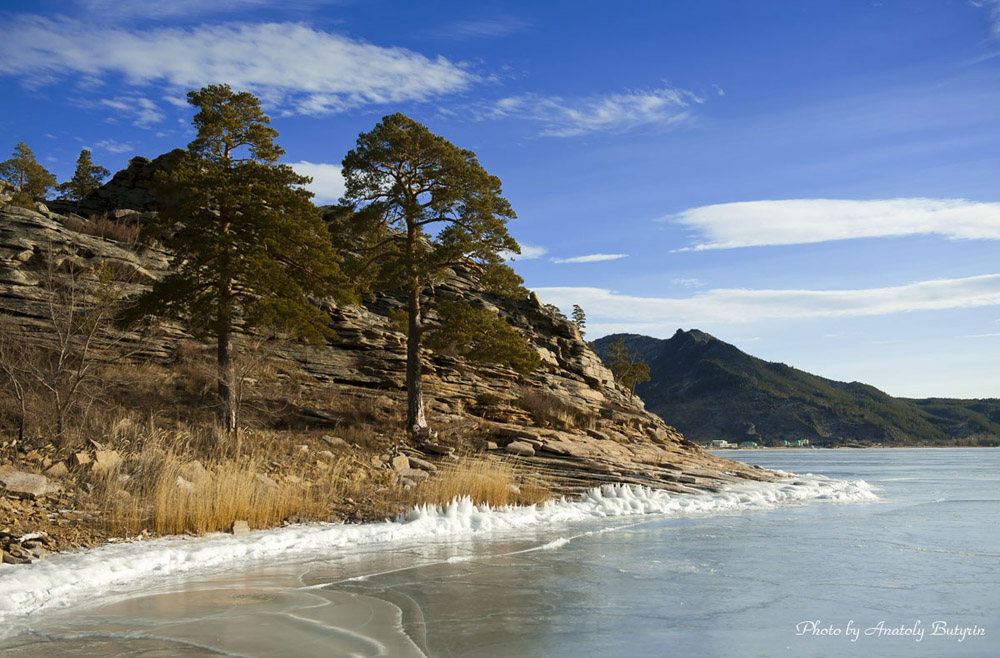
(816, 182)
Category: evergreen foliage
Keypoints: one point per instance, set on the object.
(579, 318)
(556, 311)
(29, 180)
(423, 206)
(87, 178)
(249, 245)
(480, 335)
(628, 370)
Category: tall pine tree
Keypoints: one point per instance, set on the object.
(423, 206)
(250, 247)
(29, 180)
(86, 178)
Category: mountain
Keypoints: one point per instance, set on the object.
(711, 390)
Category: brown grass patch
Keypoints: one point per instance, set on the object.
(549, 410)
(485, 480)
(105, 227)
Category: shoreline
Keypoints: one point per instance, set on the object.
(66, 578)
(85, 506)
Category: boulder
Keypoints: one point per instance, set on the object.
(58, 469)
(401, 463)
(417, 462)
(105, 460)
(26, 485)
(193, 471)
(240, 527)
(335, 442)
(517, 433)
(521, 448)
(265, 481)
(414, 474)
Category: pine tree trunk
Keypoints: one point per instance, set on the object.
(416, 423)
(227, 389)
(226, 369)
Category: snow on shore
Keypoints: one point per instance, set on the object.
(65, 579)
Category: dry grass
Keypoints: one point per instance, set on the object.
(105, 227)
(549, 410)
(158, 498)
(177, 472)
(485, 480)
(160, 487)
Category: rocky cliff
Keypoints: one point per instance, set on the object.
(568, 421)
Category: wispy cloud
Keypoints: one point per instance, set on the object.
(113, 146)
(688, 282)
(290, 65)
(802, 221)
(993, 7)
(618, 112)
(732, 306)
(176, 8)
(590, 258)
(143, 111)
(528, 252)
(327, 183)
(485, 28)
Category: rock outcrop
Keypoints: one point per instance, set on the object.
(568, 421)
(129, 189)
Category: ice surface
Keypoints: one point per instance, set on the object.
(68, 578)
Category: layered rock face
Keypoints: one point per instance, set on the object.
(568, 421)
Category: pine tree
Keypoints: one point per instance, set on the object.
(423, 206)
(628, 370)
(479, 335)
(579, 318)
(556, 311)
(87, 178)
(29, 180)
(251, 248)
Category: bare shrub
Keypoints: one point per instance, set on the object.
(106, 228)
(550, 410)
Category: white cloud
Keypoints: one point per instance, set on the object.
(290, 65)
(485, 28)
(144, 111)
(801, 221)
(689, 282)
(327, 183)
(619, 112)
(729, 306)
(590, 258)
(528, 252)
(172, 8)
(114, 146)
